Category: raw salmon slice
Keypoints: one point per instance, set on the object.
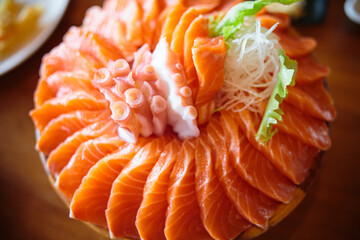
(79, 100)
(252, 166)
(183, 219)
(178, 37)
(151, 9)
(198, 28)
(130, 14)
(172, 19)
(305, 128)
(209, 59)
(202, 5)
(160, 24)
(42, 93)
(295, 46)
(312, 99)
(59, 84)
(219, 215)
(60, 128)
(90, 199)
(309, 70)
(127, 190)
(61, 155)
(250, 203)
(150, 218)
(270, 19)
(92, 45)
(291, 157)
(84, 158)
(108, 26)
(62, 58)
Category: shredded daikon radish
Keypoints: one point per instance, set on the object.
(251, 67)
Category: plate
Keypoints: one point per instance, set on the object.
(352, 10)
(53, 12)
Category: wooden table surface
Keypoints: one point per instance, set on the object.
(30, 209)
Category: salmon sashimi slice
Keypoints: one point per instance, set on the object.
(79, 100)
(178, 37)
(162, 17)
(84, 158)
(61, 83)
(108, 26)
(198, 28)
(127, 190)
(172, 19)
(150, 218)
(209, 59)
(134, 28)
(270, 19)
(293, 45)
(306, 129)
(92, 45)
(129, 12)
(291, 157)
(63, 58)
(309, 70)
(42, 93)
(61, 155)
(150, 15)
(252, 166)
(219, 215)
(90, 199)
(202, 5)
(183, 219)
(65, 125)
(253, 205)
(312, 99)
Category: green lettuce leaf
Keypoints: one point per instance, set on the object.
(272, 115)
(235, 16)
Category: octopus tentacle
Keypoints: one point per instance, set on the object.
(158, 108)
(153, 93)
(172, 83)
(103, 78)
(142, 68)
(135, 98)
(119, 68)
(129, 126)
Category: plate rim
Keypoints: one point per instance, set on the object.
(34, 44)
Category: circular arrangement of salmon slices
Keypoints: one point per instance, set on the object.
(218, 185)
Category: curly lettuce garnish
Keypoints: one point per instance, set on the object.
(285, 77)
(213, 23)
(235, 16)
(229, 27)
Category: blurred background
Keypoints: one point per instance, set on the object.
(30, 208)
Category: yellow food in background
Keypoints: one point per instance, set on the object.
(17, 22)
(295, 10)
